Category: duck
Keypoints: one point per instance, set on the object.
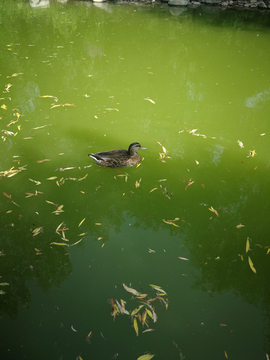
(119, 157)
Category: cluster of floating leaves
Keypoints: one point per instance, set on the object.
(145, 312)
(164, 154)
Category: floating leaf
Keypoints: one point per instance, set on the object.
(132, 291)
(213, 210)
(148, 330)
(149, 313)
(240, 144)
(154, 316)
(85, 176)
(81, 222)
(60, 244)
(4, 284)
(247, 245)
(137, 183)
(225, 353)
(41, 161)
(189, 183)
(182, 258)
(35, 181)
(72, 328)
(8, 196)
(252, 153)
(37, 231)
(268, 251)
(4, 107)
(52, 178)
(153, 190)
(251, 265)
(239, 226)
(151, 101)
(135, 324)
(147, 356)
(135, 311)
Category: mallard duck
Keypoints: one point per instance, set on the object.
(120, 157)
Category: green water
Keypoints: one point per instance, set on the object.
(205, 69)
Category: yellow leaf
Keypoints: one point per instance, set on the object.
(103, 244)
(158, 288)
(247, 245)
(135, 324)
(251, 265)
(97, 223)
(146, 357)
(52, 178)
(268, 251)
(135, 311)
(37, 231)
(213, 210)
(225, 353)
(85, 176)
(60, 244)
(153, 190)
(81, 222)
(239, 226)
(149, 313)
(4, 107)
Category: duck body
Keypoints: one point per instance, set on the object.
(119, 157)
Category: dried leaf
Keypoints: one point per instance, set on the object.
(8, 196)
(189, 183)
(151, 101)
(153, 190)
(239, 226)
(132, 291)
(148, 330)
(213, 210)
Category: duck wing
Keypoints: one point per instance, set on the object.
(112, 154)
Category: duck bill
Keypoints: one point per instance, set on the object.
(143, 148)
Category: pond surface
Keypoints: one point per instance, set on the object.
(191, 85)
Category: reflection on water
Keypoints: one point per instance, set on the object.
(258, 99)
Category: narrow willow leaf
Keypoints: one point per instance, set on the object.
(239, 226)
(81, 222)
(135, 324)
(251, 265)
(135, 311)
(60, 244)
(247, 245)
